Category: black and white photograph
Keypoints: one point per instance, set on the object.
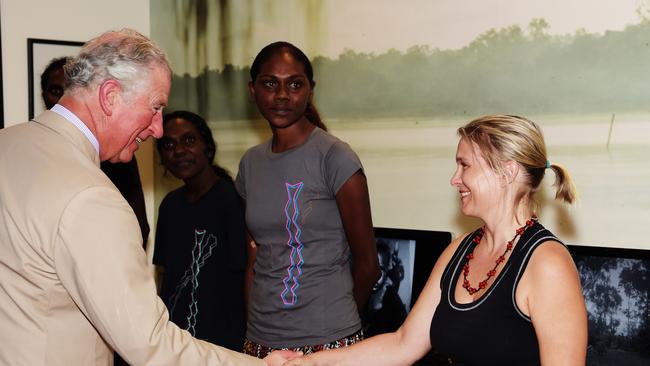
(390, 301)
(616, 285)
(40, 54)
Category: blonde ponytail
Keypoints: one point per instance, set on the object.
(565, 190)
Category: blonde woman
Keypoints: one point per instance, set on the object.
(507, 293)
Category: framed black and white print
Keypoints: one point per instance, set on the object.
(39, 54)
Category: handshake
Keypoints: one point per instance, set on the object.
(287, 358)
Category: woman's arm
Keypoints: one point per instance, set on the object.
(354, 207)
(251, 251)
(403, 347)
(556, 305)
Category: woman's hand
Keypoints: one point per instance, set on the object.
(278, 358)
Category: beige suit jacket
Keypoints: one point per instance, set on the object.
(74, 280)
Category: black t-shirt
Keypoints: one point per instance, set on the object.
(201, 246)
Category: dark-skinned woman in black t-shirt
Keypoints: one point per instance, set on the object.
(200, 236)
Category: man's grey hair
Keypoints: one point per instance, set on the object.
(125, 55)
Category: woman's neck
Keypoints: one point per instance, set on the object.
(200, 184)
(295, 135)
(502, 228)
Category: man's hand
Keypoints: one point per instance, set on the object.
(277, 358)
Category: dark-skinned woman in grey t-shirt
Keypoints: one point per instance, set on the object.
(312, 254)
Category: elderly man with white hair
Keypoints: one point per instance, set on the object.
(74, 280)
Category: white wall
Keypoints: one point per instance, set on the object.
(69, 20)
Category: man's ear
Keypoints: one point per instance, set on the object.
(110, 92)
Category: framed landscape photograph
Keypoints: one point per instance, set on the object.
(39, 54)
(616, 286)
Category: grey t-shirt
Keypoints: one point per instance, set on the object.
(302, 292)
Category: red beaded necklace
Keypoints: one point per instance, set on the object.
(477, 239)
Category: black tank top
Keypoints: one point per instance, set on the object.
(491, 330)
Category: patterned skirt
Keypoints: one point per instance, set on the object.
(260, 351)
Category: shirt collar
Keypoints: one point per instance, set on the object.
(72, 118)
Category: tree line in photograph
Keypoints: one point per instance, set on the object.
(617, 292)
(512, 69)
